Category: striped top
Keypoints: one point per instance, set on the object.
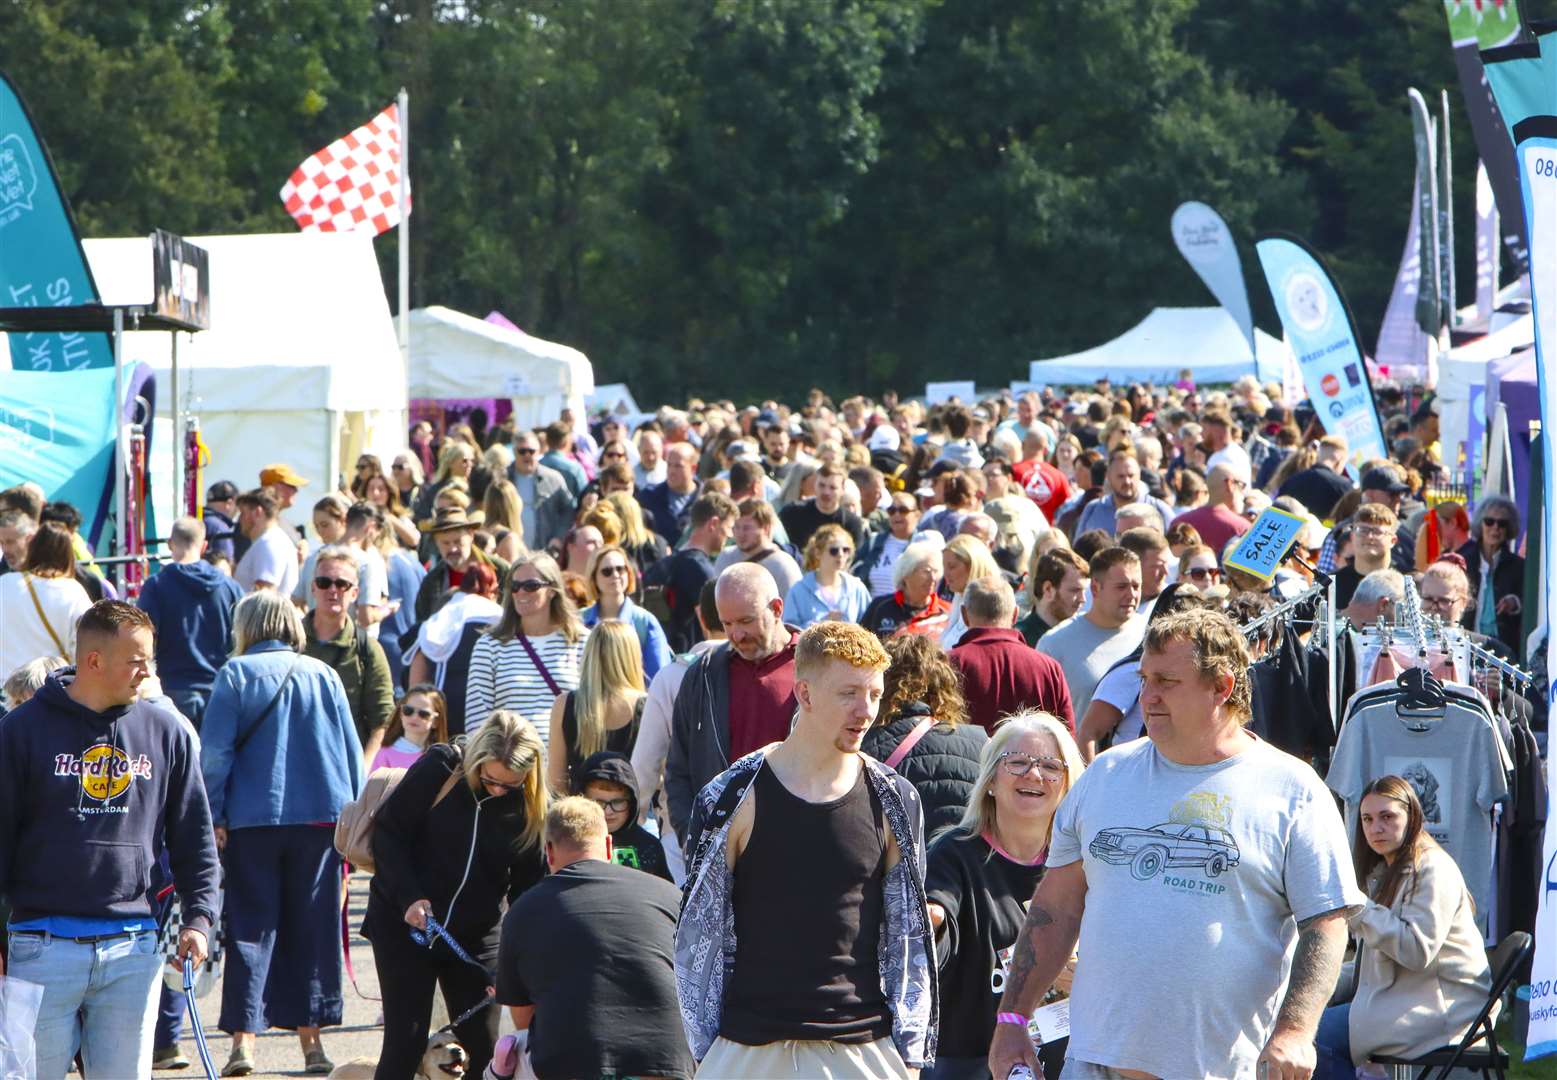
(502, 677)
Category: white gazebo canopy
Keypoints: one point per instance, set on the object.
(1204, 339)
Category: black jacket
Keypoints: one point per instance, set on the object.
(656, 507)
(943, 766)
(462, 855)
(632, 844)
(1508, 579)
(1318, 489)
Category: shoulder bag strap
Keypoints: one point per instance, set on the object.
(448, 785)
(243, 740)
(38, 607)
(910, 741)
(540, 665)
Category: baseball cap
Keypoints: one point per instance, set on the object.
(740, 448)
(767, 418)
(884, 437)
(221, 491)
(1384, 478)
(280, 474)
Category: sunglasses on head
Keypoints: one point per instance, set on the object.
(530, 585)
(412, 710)
(325, 584)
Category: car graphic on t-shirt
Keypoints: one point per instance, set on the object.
(1171, 844)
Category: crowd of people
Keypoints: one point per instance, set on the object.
(937, 715)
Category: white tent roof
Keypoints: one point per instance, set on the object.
(302, 316)
(1206, 340)
(454, 355)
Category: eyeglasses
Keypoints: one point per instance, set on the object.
(1374, 531)
(1200, 572)
(1498, 523)
(507, 789)
(613, 571)
(840, 552)
(1051, 770)
(612, 806)
(1437, 603)
(325, 584)
(412, 710)
(530, 585)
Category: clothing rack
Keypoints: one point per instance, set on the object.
(1324, 591)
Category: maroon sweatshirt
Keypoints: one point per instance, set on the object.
(1002, 674)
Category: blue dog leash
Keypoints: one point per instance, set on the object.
(425, 938)
(194, 1020)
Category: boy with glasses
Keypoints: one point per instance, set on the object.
(1373, 538)
(607, 780)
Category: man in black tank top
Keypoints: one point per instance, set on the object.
(809, 848)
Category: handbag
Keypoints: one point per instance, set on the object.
(38, 607)
(540, 665)
(242, 741)
(910, 741)
(354, 826)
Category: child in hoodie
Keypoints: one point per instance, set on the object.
(607, 779)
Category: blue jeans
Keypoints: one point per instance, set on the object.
(98, 998)
(1333, 1041)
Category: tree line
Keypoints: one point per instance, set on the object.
(749, 197)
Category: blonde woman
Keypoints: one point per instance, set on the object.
(279, 721)
(643, 545)
(963, 559)
(605, 711)
(828, 590)
(460, 834)
(503, 511)
(533, 653)
(980, 875)
(456, 461)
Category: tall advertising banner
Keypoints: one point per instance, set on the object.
(1486, 244)
(1446, 289)
(1473, 26)
(1402, 347)
(1324, 336)
(1206, 243)
(1523, 77)
(42, 264)
(1429, 294)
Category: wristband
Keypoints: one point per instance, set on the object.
(1011, 1018)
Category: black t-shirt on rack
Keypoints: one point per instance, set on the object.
(592, 947)
(1346, 581)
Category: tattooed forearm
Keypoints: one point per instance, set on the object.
(1316, 965)
(1041, 951)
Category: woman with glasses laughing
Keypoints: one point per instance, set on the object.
(1490, 559)
(980, 875)
(458, 835)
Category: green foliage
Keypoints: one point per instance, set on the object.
(748, 197)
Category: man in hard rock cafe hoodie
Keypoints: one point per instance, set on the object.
(94, 786)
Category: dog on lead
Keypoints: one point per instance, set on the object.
(444, 1058)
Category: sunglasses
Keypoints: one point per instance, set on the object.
(1050, 770)
(612, 571)
(612, 806)
(507, 789)
(840, 552)
(1198, 572)
(412, 710)
(901, 510)
(398, 467)
(1499, 523)
(525, 451)
(530, 585)
(325, 584)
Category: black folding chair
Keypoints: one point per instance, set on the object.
(1506, 960)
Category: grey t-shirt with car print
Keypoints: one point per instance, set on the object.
(1197, 876)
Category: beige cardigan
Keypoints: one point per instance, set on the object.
(1421, 964)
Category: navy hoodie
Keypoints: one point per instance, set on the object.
(191, 606)
(89, 800)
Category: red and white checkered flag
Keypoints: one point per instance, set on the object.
(353, 183)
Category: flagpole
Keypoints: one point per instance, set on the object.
(403, 103)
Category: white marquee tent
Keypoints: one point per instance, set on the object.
(456, 356)
(1206, 340)
(301, 363)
